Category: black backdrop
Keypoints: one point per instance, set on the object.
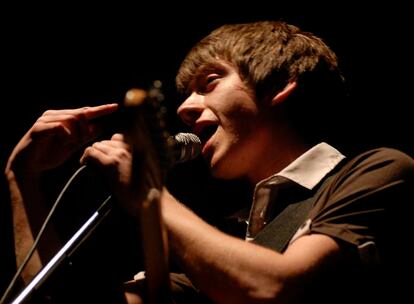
(70, 56)
(73, 56)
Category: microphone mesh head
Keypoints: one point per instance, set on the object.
(188, 146)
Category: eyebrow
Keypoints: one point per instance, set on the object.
(211, 67)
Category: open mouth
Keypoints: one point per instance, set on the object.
(206, 132)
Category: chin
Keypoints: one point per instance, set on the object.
(222, 172)
(222, 166)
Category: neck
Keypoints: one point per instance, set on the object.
(285, 147)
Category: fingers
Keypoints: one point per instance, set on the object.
(76, 123)
(117, 137)
(98, 111)
(112, 152)
(88, 112)
(113, 159)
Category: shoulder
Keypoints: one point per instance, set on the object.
(376, 174)
(352, 204)
(387, 155)
(383, 163)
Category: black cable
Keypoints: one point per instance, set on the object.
(39, 235)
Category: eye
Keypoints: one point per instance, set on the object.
(211, 77)
(207, 83)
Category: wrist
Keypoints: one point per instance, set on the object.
(18, 172)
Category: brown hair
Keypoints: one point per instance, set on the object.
(267, 54)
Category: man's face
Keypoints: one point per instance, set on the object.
(223, 112)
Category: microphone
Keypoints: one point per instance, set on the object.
(183, 147)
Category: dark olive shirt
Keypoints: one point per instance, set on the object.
(367, 206)
(360, 202)
(365, 203)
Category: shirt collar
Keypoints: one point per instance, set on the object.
(310, 168)
(307, 170)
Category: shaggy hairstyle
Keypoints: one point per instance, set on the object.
(268, 55)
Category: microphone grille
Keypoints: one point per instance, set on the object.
(187, 146)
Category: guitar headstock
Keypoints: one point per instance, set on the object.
(146, 130)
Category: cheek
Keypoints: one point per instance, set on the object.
(242, 122)
(240, 110)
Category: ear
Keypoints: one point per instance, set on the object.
(283, 94)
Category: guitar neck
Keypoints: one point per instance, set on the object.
(149, 141)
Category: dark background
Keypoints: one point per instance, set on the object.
(73, 55)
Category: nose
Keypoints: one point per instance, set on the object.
(191, 109)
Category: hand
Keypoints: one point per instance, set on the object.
(54, 137)
(113, 158)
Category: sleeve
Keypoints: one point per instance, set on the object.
(364, 201)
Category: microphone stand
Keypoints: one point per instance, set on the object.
(65, 252)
